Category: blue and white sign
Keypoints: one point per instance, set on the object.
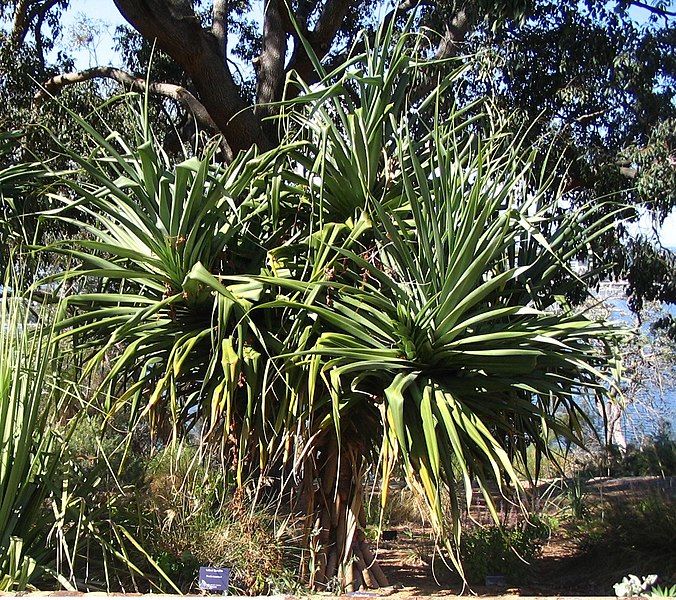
(214, 579)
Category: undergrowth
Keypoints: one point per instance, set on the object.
(179, 505)
(624, 535)
(507, 551)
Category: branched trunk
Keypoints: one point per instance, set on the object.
(179, 33)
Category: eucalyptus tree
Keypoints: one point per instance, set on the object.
(385, 287)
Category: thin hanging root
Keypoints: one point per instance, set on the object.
(350, 583)
(362, 514)
(330, 469)
(326, 527)
(320, 574)
(307, 542)
(358, 580)
(325, 522)
(341, 531)
(372, 565)
(337, 515)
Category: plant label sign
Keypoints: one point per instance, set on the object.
(214, 579)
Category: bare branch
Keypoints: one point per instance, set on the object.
(21, 23)
(456, 31)
(320, 39)
(270, 63)
(169, 90)
(307, 73)
(662, 12)
(179, 33)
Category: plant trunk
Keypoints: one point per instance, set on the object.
(340, 557)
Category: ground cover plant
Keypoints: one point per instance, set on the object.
(508, 552)
(626, 532)
(197, 521)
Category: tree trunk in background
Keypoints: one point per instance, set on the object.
(615, 434)
(178, 32)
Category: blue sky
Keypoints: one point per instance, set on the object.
(107, 17)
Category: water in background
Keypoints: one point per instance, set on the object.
(653, 408)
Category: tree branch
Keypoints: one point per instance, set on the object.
(320, 39)
(20, 24)
(303, 12)
(328, 24)
(39, 45)
(219, 25)
(662, 12)
(25, 13)
(137, 84)
(270, 63)
(310, 77)
(175, 26)
(456, 31)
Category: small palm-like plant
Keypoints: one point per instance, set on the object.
(387, 287)
(436, 339)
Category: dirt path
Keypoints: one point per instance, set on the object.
(411, 565)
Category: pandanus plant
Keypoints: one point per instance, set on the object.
(384, 288)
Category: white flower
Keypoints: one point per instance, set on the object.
(633, 586)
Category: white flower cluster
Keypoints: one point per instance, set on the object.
(633, 586)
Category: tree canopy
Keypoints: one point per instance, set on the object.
(595, 78)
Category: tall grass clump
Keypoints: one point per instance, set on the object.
(65, 520)
(198, 519)
(30, 450)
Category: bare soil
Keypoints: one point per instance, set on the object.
(563, 568)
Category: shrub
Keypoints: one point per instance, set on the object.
(648, 524)
(655, 456)
(663, 591)
(502, 551)
(385, 287)
(631, 535)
